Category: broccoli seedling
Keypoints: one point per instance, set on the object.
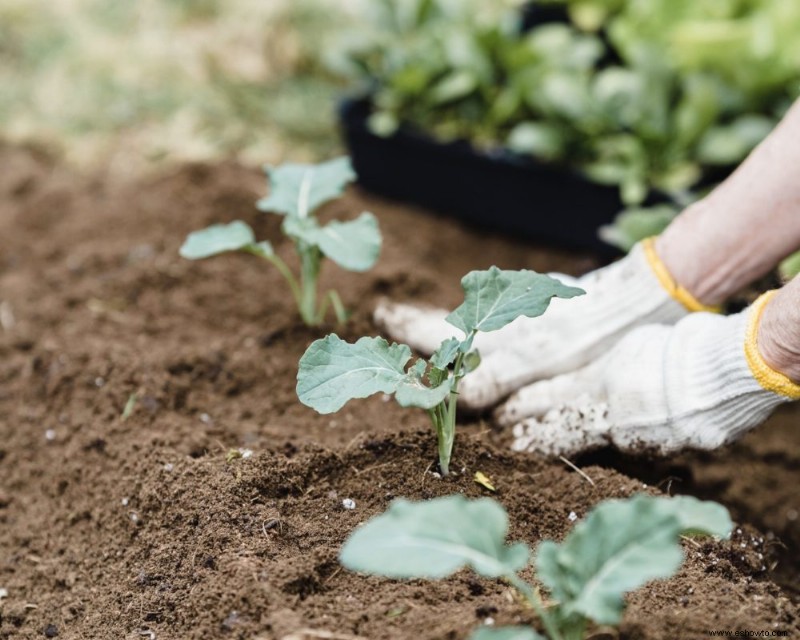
(297, 191)
(618, 547)
(333, 371)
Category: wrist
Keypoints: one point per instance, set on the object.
(779, 334)
(672, 286)
(713, 260)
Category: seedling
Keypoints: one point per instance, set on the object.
(618, 547)
(297, 192)
(333, 371)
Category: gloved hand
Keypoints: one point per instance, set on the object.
(632, 292)
(701, 384)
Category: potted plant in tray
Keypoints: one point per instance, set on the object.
(552, 122)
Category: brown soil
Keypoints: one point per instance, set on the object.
(144, 526)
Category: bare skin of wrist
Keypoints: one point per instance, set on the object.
(745, 227)
(779, 333)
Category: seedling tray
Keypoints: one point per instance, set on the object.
(499, 191)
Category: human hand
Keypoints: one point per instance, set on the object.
(699, 384)
(620, 297)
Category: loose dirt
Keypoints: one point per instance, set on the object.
(131, 381)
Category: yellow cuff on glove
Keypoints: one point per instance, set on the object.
(675, 290)
(766, 376)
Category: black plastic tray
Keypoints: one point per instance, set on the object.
(503, 192)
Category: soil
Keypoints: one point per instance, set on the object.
(130, 380)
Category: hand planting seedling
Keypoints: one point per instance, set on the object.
(333, 371)
(296, 192)
(618, 547)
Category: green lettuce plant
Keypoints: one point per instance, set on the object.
(658, 96)
(333, 371)
(620, 546)
(297, 192)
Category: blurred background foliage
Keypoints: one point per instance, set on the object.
(639, 93)
(131, 85)
(648, 95)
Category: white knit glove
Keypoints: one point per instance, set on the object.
(630, 293)
(699, 384)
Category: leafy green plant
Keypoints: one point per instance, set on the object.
(637, 223)
(620, 546)
(790, 267)
(297, 192)
(646, 96)
(333, 371)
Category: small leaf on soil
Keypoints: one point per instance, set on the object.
(130, 405)
(483, 480)
(396, 612)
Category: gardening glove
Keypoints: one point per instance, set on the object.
(632, 292)
(701, 384)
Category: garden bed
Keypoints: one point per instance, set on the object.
(145, 525)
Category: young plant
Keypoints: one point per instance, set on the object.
(297, 191)
(333, 371)
(618, 547)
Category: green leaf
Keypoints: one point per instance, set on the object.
(434, 539)
(441, 359)
(353, 245)
(216, 239)
(620, 546)
(333, 371)
(636, 224)
(494, 298)
(446, 354)
(299, 189)
(413, 392)
(505, 633)
(701, 518)
(537, 139)
(454, 86)
(472, 361)
(437, 376)
(728, 144)
(383, 124)
(790, 267)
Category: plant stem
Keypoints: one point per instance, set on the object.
(535, 600)
(309, 272)
(332, 298)
(447, 434)
(288, 276)
(436, 415)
